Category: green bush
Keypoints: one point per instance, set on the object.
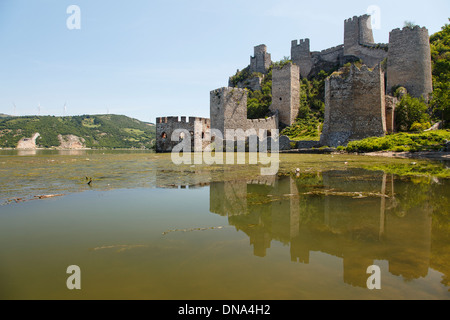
(440, 59)
(419, 127)
(306, 128)
(434, 140)
(410, 111)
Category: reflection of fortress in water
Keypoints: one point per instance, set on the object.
(359, 231)
(357, 215)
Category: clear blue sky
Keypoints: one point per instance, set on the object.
(152, 58)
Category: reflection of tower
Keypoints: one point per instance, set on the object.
(228, 198)
(410, 239)
(358, 231)
(285, 213)
(355, 268)
(261, 208)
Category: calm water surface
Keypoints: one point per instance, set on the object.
(147, 229)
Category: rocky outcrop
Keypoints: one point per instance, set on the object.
(28, 143)
(71, 142)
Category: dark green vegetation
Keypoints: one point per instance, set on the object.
(412, 114)
(307, 128)
(440, 57)
(98, 131)
(258, 101)
(425, 141)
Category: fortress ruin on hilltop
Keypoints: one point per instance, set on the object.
(359, 102)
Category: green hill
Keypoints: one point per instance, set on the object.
(98, 131)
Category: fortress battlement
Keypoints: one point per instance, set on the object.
(356, 18)
(417, 29)
(264, 120)
(329, 50)
(175, 120)
(302, 43)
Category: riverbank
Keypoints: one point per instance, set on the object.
(425, 155)
(430, 155)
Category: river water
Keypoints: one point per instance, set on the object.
(145, 228)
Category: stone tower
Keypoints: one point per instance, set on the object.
(286, 93)
(409, 61)
(228, 109)
(357, 31)
(354, 106)
(261, 61)
(301, 56)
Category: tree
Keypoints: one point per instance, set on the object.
(410, 111)
(409, 24)
(440, 57)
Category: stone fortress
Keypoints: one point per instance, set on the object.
(359, 102)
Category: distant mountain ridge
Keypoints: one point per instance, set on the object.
(96, 131)
(2, 115)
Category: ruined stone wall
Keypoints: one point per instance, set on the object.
(253, 84)
(197, 127)
(268, 125)
(330, 55)
(261, 61)
(228, 110)
(371, 55)
(391, 103)
(286, 93)
(409, 61)
(354, 106)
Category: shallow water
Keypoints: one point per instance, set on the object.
(147, 229)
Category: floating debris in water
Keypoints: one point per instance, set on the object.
(18, 200)
(48, 196)
(354, 195)
(192, 229)
(122, 247)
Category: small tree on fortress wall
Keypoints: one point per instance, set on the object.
(409, 24)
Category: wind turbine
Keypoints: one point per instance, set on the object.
(14, 113)
(39, 109)
(65, 108)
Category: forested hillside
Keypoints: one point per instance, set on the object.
(98, 131)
